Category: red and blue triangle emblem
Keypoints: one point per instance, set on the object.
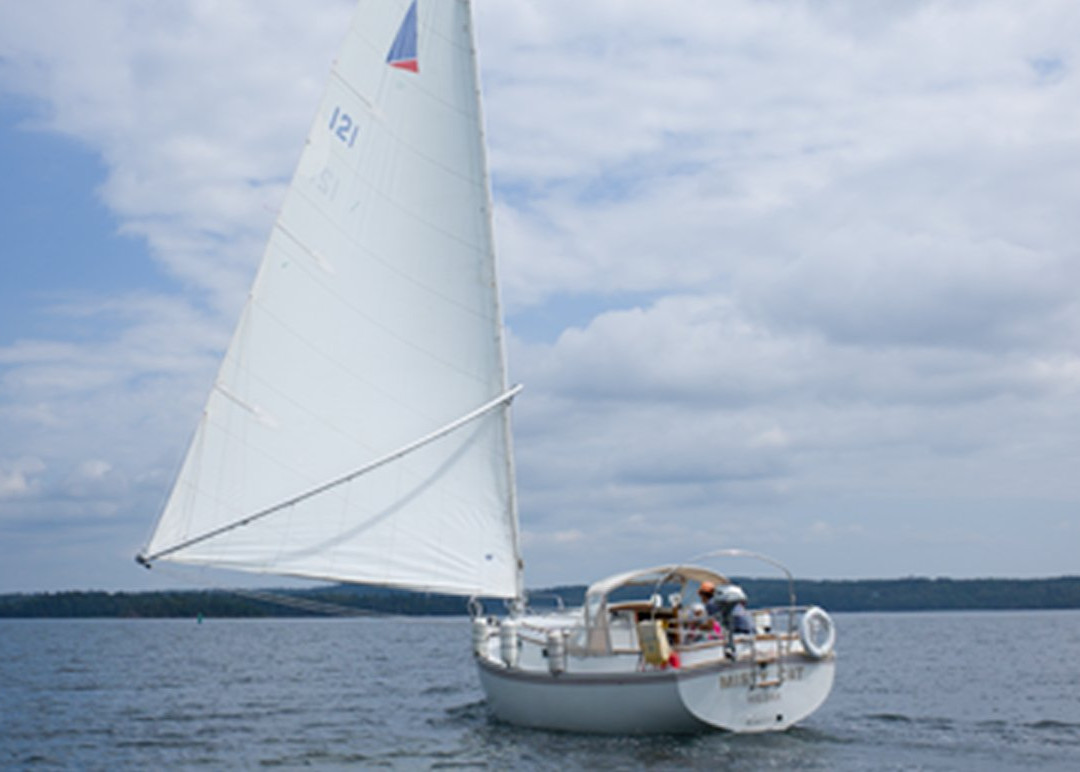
(403, 51)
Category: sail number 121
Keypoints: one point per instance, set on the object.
(344, 127)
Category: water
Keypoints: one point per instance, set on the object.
(978, 691)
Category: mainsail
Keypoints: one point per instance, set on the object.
(373, 327)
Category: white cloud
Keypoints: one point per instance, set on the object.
(771, 438)
(17, 477)
(821, 255)
(97, 489)
(195, 108)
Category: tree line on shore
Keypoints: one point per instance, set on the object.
(912, 594)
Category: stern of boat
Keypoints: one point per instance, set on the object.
(534, 675)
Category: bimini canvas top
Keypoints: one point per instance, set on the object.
(655, 577)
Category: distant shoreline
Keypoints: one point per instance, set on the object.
(912, 594)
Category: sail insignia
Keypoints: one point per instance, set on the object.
(403, 53)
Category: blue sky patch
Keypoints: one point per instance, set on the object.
(59, 238)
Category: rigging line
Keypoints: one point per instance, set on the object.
(304, 604)
(504, 398)
(265, 596)
(371, 106)
(741, 553)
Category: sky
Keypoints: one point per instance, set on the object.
(800, 277)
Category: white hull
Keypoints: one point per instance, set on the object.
(739, 697)
(635, 667)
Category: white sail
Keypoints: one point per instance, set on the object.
(373, 322)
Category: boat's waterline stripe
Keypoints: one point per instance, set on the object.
(502, 399)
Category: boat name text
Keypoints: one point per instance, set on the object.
(747, 678)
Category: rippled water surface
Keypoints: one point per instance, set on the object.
(979, 691)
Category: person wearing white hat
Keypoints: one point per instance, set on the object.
(736, 618)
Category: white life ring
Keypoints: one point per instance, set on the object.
(815, 616)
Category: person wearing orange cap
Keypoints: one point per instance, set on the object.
(709, 608)
(707, 593)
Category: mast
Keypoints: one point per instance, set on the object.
(489, 207)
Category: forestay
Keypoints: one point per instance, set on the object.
(373, 322)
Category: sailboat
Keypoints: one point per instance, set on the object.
(358, 429)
